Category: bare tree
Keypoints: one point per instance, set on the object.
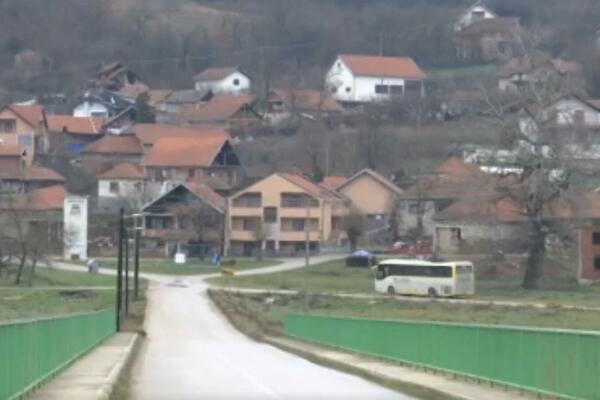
(545, 154)
(354, 225)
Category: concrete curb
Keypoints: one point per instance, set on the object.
(452, 387)
(107, 389)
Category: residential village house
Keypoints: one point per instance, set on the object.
(476, 12)
(188, 217)
(72, 134)
(282, 105)
(224, 80)
(25, 126)
(523, 73)
(116, 76)
(419, 204)
(189, 158)
(110, 150)
(362, 78)
(373, 195)
(280, 214)
(481, 35)
(125, 185)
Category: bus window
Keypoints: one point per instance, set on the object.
(380, 273)
(464, 269)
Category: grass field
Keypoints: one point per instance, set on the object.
(335, 277)
(265, 317)
(193, 267)
(56, 292)
(54, 277)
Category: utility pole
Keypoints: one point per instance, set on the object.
(126, 273)
(120, 268)
(307, 232)
(136, 265)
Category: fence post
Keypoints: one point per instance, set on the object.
(120, 269)
(136, 265)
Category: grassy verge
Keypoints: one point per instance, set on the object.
(48, 277)
(335, 277)
(26, 303)
(193, 267)
(264, 313)
(54, 292)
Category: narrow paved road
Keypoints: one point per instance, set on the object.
(192, 352)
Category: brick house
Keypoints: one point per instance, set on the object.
(25, 126)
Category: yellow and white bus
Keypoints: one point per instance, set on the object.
(425, 278)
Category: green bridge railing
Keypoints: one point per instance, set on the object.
(32, 351)
(563, 363)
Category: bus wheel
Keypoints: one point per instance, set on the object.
(432, 293)
(391, 291)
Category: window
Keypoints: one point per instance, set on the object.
(8, 125)
(348, 89)
(596, 238)
(25, 140)
(478, 14)
(415, 270)
(455, 235)
(250, 224)
(298, 225)
(270, 214)
(297, 200)
(597, 263)
(381, 89)
(113, 187)
(75, 210)
(236, 82)
(191, 173)
(414, 209)
(248, 200)
(138, 186)
(579, 117)
(397, 90)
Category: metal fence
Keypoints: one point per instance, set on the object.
(32, 351)
(563, 363)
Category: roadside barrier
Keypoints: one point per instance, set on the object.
(562, 363)
(33, 351)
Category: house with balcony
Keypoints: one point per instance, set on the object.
(190, 217)
(282, 214)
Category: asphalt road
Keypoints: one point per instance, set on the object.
(192, 352)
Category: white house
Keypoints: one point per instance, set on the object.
(226, 80)
(476, 12)
(568, 113)
(91, 109)
(126, 183)
(360, 78)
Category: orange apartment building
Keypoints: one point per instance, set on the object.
(280, 212)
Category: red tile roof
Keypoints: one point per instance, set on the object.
(400, 67)
(204, 192)
(11, 150)
(80, 125)
(538, 60)
(112, 144)
(218, 109)
(452, 180)
(484, 207)
(32, 174)
(150, 133)
(184, 151)
(376, 176)
(215, 74)
(33, 115)
(158, 96)
(309, 186)
(458, 168)
(307, 100)
(124, 171)
(46, 199)
(331, 182)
